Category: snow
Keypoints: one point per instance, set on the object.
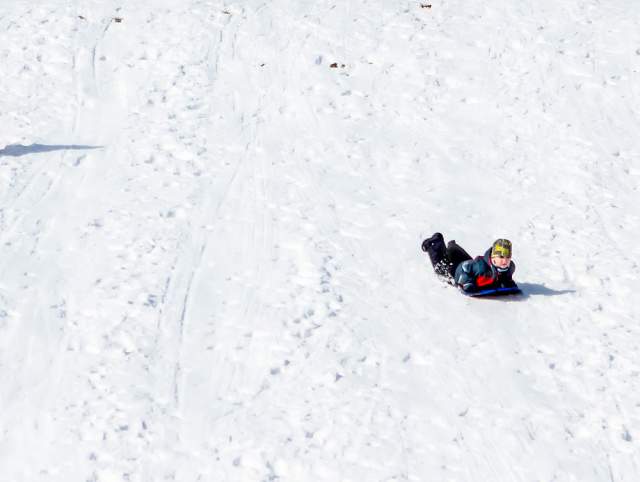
(211, 215)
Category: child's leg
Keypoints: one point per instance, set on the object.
(456, 255)
(435, 248)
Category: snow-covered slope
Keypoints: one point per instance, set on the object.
(210, 220)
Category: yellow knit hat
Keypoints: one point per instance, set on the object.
(501, 247)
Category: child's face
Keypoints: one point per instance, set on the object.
(500, 261)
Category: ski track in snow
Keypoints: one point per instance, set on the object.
(211, 214)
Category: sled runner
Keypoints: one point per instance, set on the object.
(495, 292)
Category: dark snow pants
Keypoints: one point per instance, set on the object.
(445, 259)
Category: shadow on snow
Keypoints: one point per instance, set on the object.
(17, 150)
(533, 289)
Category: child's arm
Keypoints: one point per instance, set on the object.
(506, 279)
(467, 274)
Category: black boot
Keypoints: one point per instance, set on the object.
(435, 248)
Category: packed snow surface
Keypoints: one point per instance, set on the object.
(211, 215)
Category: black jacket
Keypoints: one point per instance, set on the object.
(480, 273)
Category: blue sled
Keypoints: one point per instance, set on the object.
(496, 292)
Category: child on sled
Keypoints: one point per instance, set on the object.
(454, 265)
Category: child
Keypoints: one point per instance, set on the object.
(454, 265)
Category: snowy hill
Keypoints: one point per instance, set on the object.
(211, 215)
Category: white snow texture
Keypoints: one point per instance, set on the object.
(211, 214)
